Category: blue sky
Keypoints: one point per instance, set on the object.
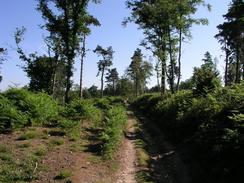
(16, 13)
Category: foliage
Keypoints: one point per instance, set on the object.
(139, 71)
(67, 21)
(10, 117)
(166, 25)
(112, 79)
(28, 135)
(38, 107)
(206, 78)
(113, 130)
(2, 58)
(39, 69)
(124, 87)
(105, 62)
(230, 37)
(21, 171)
(213, 123)
(83, 109)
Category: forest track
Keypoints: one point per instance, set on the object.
(168, 163)
(127, 170)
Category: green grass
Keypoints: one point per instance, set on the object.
(18, 171)
(41, 151)
(56, 142)
(94, 159)
(143, 177)
(63, 175)
(25, 145)
(28, 135)
(3, 148)
(77, 147)
(6, 157)
(143, 157)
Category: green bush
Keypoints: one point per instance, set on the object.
(214, 122)
(38, 107)
(103, 103)
(83, 109)
(113, 130)
(10, 117)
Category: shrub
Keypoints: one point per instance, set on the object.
(103, 103)
(213, 122)
(10, 117)
(71, 128)
(83, 109)
(38, 107)
(113, 130)
(63, 175)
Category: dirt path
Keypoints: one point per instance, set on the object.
(127, 171)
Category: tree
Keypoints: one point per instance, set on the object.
(139, 71)
(67, 24)
(104, 63)
(89, 20)
(2, 58)
(124, 87)
(186, 85)
(206, 78)
(231, 38)
(112, 78)
(93, 91)
(165, 24)
(158, 71)
(38, 68)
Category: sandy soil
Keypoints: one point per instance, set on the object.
(127, 171)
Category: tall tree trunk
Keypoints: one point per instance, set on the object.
(102, 83)
(163, 76)
(68, 81)
(136, 87)
(83, 54)
(226, 64)
(237, 80)
(67, 54)
(54, 77)
(158, 75)
(158, 81)
(179, 60)
(113, 88)
(172, 65)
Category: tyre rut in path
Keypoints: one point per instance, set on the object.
(127, 171)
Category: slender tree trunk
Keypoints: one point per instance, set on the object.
(54, 77)
(68, 81)
(163, 75)
(243, 71)
(113, 87)
(67, 54)
(237, 80)
(158, 81)
(179, 60)
(136, 87)
(83, 54)
(226, 64)
(102, 83)
(242, 62)
(158, 74)
(172, 67)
